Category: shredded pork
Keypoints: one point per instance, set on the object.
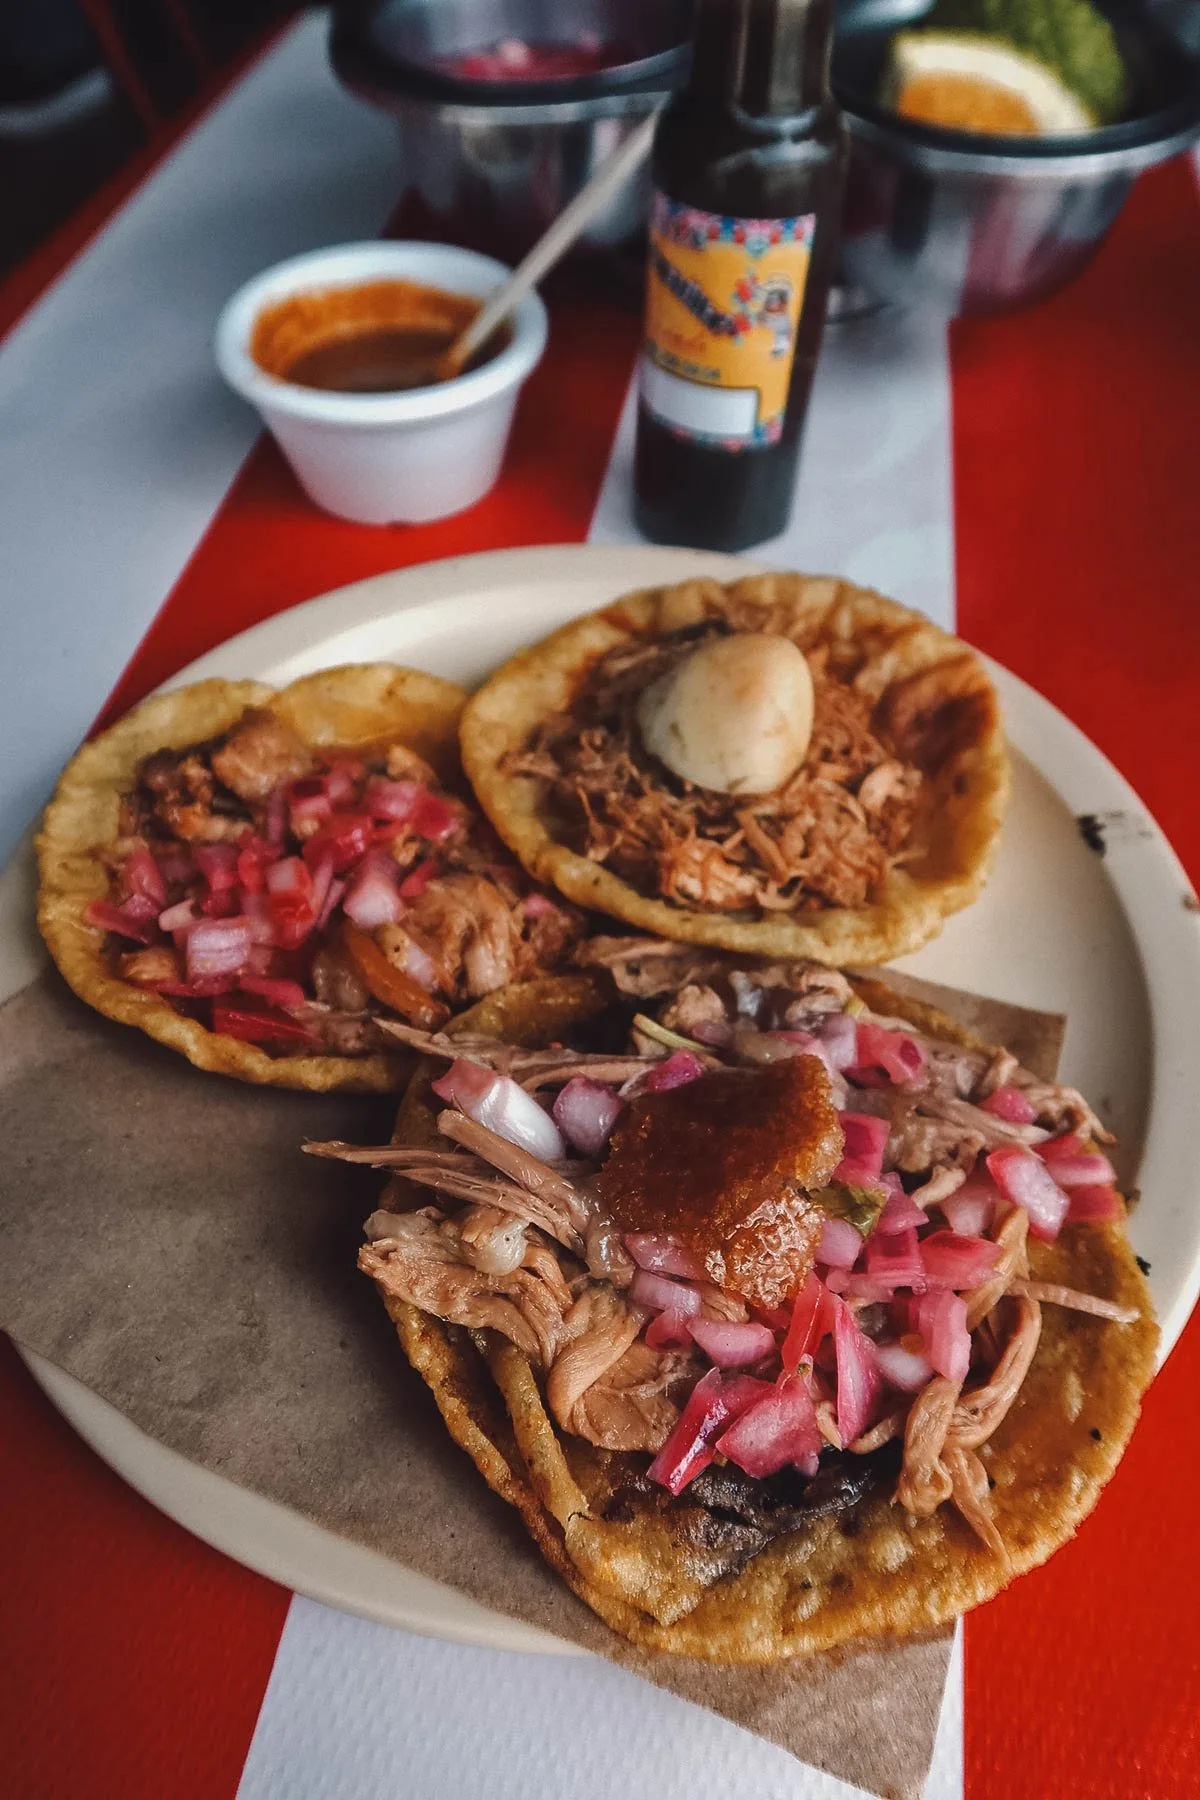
(535, 1256)
(826, 838)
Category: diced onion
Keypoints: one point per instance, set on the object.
(106, 917)
(676, 1070)
(857, 1286)
(777, 1430)
(218, 865)
(140, 907)
(729, 1344)
(1099, 1205)
(1010, 1103)
(840, 1244)
(435, 818)
(970, 1209)
(715, 1401)
(1083, 1170)
(668, 1330)
(866, 1141)
(497, 1102)
(257, 913)
(464, 1083)
(838, 1032)
(903, 1369)
(953, 1261)
(337, 887)
(895, 1054)
(290, 898)
(585, 1112)
(310, 807)
(321, 872)
(900, 1214)
(1067, 1143)
(895, 1260)
(217, 947)
(969, 1212)
(420, 965)
(662, 1255)
(1024, 1180)
(142, 875)
(941, 1319)
(341, 780)
(289, 876)
(396, 800)
(648, 1289)
(372, 898)
(814, 1314)
(858, 1378)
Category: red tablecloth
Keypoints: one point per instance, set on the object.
(135, 1658)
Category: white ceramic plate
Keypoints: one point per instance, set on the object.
(1113, 941)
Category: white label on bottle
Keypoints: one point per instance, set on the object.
(710, 412)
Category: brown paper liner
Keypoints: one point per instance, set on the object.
(164, 1241)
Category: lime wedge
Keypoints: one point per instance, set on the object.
(968, 83)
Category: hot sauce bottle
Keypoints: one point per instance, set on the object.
(748, 167)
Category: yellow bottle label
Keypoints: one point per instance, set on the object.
(723, 302)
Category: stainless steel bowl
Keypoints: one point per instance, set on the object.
(494, 162)
(955, 223)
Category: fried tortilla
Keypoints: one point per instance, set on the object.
(199, 800)
(890, 824)
(736, 1569)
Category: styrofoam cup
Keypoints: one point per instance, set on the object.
(406, 457)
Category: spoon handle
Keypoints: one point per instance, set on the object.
(612, 174)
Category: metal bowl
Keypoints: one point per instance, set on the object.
(493, 162)
(954, 223)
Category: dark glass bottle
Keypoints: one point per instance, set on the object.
(748, 169)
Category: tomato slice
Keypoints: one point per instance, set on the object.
(259, 1025)
(347, 837)
(390, 984)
